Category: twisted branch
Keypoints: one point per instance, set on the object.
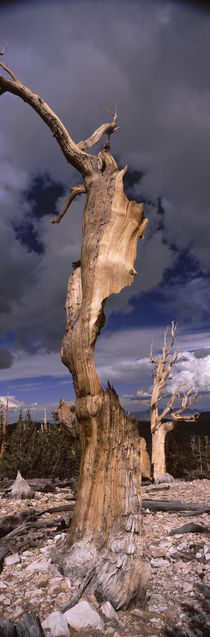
(104, 129)
(76, 190)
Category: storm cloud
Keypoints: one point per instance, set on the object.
(152, 58)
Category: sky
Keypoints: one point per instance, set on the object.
(152, 58)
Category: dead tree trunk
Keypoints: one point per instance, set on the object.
(105, 532)
(107, 517)
(4, 430)
(158, 453)
(160, 427)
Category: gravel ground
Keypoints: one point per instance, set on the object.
(178, 595)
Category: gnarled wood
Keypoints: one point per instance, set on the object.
(105, 533)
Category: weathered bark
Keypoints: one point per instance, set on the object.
(105, 532)
(174, 505)
(159, 455)
(190, 528)
(108, 507)
(66, 414)
(145, 463)
(28, 626)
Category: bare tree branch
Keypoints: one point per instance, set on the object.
(72, 152)
(3, 50)
(76, 190)
(153, 360)
(104, 129)
(189, 398)
(6, 68)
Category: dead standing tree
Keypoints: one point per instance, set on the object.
(159, 426)
(4, 427)
(105, 534)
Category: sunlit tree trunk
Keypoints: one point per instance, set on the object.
(159, 454)
(107, 517)
(105, 534)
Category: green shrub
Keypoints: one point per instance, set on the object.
(39, 454)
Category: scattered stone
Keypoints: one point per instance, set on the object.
(5, 600)
(188, 586)
(165, 477)
(108, 610)
(83, 615)
(207, 557)
(56, 625)
(136, 612)
(180, 560)
(39, 566)
(12, 559)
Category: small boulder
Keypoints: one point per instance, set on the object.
(40, 566)
(12, 559)
(108, 610)
(164, 477)
(20, 489)
(55, 625)
(83, 615)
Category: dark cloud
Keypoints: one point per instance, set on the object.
(154, 59)
(202, 353)
(38, 200)
(42, 195)
(6, 358)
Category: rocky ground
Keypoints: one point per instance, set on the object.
(178, 597)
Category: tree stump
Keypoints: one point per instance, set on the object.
(20, 489)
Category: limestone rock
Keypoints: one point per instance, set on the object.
(12, 559)
(83, 615)
(56, 625)
(165, 477)
(39, 566)
(108, 610)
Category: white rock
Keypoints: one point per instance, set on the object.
(56, 625)
(83, 615)
(44, 549)
(3, 585)
(207, 557)
(12, 559)
(38, 566)
(27, 553)
(159, 562)
(108, 610)
(188, 586)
